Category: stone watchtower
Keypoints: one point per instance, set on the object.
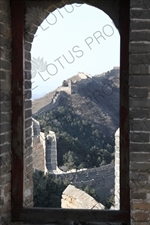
(51, 151)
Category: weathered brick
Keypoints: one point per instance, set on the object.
(139, 147)
(32, 28)
(140, 157)
(139, 24)
(1, 201)
(140, 223)
(4, 7)
(139, 68)
(140, 35)
(137, 47)
(28, 123)
(28, 184)
(28, 94)
(28, 75)
(29, 168)
(5, 107)
(27, 65)
(139, 113)
(28, 46)
(28, 85)
(139, 13)
(139, 81)
(139, 92)
(140, 216)
(140, 125)
(5, 31)
(28, 104)
(5, 148)
(28, 143)
(28, 150)
(4, 18)
(139, 137)
(141, 103)
(144, 166)
(2, 138)
(28, 133)
(135, 195)
(2, 76)
(5, 85)
(140, 4)
(5, 65)
(6, 208)
(5, 42)
(142, 205)
(7, 178)
(28, 113)
(5, 169)
(7, 188)
(139, 59)
(28, 160)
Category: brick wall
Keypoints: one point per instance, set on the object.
(140, 111)
(5, 111)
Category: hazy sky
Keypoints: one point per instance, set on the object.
(75, 38)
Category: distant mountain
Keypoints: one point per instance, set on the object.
(84, 114)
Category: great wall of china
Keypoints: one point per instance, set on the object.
(105, 179)
(71, 87)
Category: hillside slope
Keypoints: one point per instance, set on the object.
(85, 120)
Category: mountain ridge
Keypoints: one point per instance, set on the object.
(72, 85)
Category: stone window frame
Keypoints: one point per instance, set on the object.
(50, 215)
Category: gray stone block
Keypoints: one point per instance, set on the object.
(144, 103)
(140, 157)
(139, 137)
(139, 92)
(139, 13)
(27, 65)
(28, 104)
(138, 125)
(139, 113)
(138, 24)
(5, 65)
(139, 80)
(140, 147)
(28, 113)
(140, 35)
(137, 47)
(140, 4)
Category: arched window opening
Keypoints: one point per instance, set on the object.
(75, 109)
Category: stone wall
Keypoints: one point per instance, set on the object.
(35, 127)
(74, 198)
(5, 112)
(54, 102)
(117, 170)
(102, 179)
(139, 57)
(51, 151)
(39, 147)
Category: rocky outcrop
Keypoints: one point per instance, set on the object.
(75, 198)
